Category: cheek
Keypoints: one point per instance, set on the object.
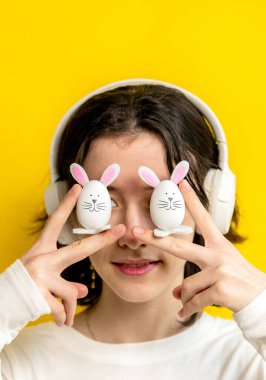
(173, 265)
(100, 258)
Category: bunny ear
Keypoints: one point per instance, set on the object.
(180, 171)
(79, 174)
(110, 174)
(148, 176)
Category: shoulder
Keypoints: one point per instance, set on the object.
(224, 337)
(31, 336)
(30, 348)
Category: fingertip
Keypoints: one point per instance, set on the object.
(144, 234)
(137, 230)
(75, 189)
(184, 185)
(177, 292)
(118, 230)
(82, 291)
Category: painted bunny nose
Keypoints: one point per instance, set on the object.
(94, 200)
(170, 199)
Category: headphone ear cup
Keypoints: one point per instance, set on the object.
(220, 187)
(52, 197)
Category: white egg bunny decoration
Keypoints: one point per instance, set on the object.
(167, 205)
(94, 203)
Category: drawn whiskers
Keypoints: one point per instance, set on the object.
(87, 205)
(178, 204)
(94, 206)
(167, 204)
(101, 206)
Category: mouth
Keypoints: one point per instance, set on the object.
(137, 268)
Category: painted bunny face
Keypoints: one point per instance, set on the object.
(167, 206)
(94, 203)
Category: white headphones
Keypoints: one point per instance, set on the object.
(220, 185)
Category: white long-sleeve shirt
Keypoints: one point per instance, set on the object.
(212, 348)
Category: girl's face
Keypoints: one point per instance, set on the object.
(130, 199)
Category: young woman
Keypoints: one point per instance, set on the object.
(144, 294)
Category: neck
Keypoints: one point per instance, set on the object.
(114, 320)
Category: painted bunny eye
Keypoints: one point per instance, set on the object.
(98, 195)
(166, 193)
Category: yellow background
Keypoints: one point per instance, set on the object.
(54, 53)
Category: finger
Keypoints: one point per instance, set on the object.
(201, 216)
(58, 218)
(57, 309)
(182, 249)
(195, 284)
(70, 309)
(197, 303)
(177, 292)
(68, 292)
(82, 289)
(70, 306)
(81, 249)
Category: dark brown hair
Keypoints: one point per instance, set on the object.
(129, 111)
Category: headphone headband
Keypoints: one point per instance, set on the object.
(218, 184)
(197, 102)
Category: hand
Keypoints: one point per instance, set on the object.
(226, 278)
(45, 262)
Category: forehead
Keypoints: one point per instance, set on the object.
(130, 153)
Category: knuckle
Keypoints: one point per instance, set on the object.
(78, 244)
(185, 285)
(223, 270)
(59, 313)
(195, 300)
(73, 293)
(220, 290)
(35, 267)
(176, 244)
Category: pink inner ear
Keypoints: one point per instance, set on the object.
(178, 175)
(108, 176)
(149, 178)
(82, 180)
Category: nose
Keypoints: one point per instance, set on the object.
(132, 217)
(170, 199)
(94, 200)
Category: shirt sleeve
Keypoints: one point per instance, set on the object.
(20, 302)
(252, 322)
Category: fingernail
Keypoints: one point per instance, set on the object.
(176, 294)
(185, 186)
(139, 230)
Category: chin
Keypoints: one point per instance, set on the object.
(137, 295)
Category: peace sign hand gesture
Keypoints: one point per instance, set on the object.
(45, 262)
(226, 277)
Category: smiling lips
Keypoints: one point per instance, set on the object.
(136, 267)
